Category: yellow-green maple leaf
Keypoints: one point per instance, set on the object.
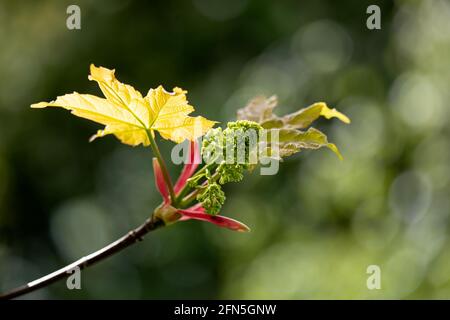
(130, 116)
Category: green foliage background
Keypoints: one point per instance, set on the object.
(316, 226)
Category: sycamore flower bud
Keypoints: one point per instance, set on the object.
(213, 145)
(244, 125)
(230, 172)
(234, 144)
(231, 148)
(212, 198)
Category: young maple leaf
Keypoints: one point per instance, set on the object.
(290, 139)
(130, 116)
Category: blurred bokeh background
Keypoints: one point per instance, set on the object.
(316, 226)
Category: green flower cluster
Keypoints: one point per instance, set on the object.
(213, 145)
(230, 172)
(233, 145)
(212, 198)
(244, 125)
(230, 152)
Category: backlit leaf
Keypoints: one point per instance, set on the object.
(130, 116)
(304, 117)
(285, 129)
(292, 141)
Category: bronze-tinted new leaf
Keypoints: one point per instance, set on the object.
(286, 139)
(260, 110)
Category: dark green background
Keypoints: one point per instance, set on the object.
(316, 226)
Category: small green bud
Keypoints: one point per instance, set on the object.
(167, 213)
(212, 198)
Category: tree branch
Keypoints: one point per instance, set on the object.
(130, 238)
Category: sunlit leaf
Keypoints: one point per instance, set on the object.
(130, 116)
(291, 141)
(304, 117)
